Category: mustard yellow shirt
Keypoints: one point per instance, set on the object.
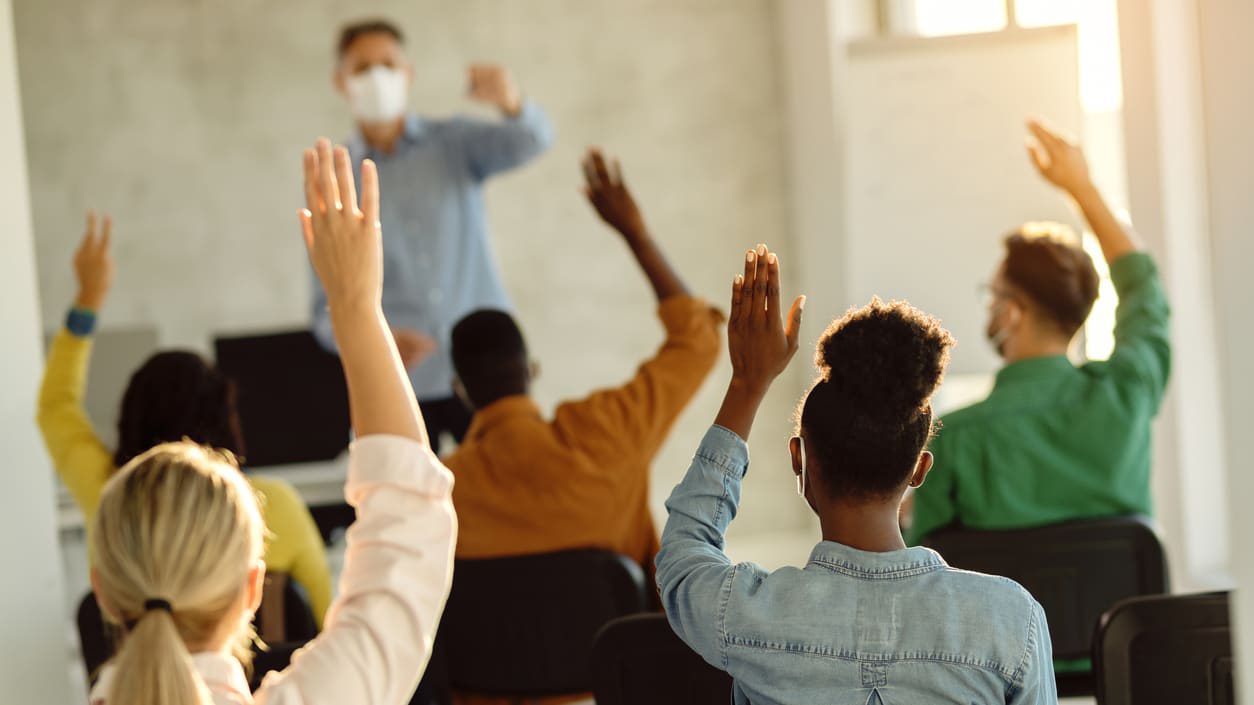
(294, 545)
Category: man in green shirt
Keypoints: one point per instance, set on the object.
(1054, 441)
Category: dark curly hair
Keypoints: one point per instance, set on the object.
(869, 414)
(177, 395)
(1046, 263)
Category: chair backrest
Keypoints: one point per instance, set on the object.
(284, 620)
(293, 403)
(639, 659)
(525, 625)
(284, 615)
(1165, 649)
(1077, 570)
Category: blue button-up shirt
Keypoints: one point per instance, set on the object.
(851, 627)
(438, 261)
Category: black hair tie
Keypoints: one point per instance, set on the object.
(156, 603)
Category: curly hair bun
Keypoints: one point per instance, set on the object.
(886, 359)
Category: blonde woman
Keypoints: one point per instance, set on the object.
(178, 536)
(175, 394)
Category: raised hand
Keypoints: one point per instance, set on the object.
(608, 194)
(759, 340)
(494, 85)
(344, 240)
(93, 263)
(1058, 160)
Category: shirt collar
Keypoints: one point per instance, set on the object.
(519, 405)
(839, 558)
(415, 128)
(222, 673)
(1034, 369)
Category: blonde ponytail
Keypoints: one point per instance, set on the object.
(176, 536)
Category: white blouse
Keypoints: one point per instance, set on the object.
(397, 570)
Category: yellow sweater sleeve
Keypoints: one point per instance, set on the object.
(81, 460)
(295, 546)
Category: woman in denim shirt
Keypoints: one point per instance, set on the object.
(867, 620)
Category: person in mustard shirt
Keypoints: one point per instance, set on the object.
(1055, 441)
(174, 395)
(526, 484)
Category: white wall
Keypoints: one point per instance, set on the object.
(36, 663)
(1227, 64)
(185, 121)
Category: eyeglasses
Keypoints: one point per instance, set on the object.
(989, 293)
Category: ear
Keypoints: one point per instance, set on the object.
(256, 585)
(922, 468)
(409, 74)
(533, 371)
(794, 449)
(459, 391)
(105, 608)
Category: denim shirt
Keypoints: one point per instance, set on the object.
(438, 259)
(851, 626)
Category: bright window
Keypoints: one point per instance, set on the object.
(934, 18)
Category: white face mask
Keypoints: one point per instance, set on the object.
(378, 95)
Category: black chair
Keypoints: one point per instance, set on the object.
(1167, 649)
(1077, 570)
(292, 399)
(525, 625)
(284, 619)
(638, 660)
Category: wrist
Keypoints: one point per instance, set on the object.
(1084, 191)
(89, 301)
(747, 388)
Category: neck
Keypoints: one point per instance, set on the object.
(382, 136)
(1017, 350)
(869, 527)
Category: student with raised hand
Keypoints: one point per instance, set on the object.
(1055, 441)
(866, 620)
(526, 484)
(178, 537)
(174, 395)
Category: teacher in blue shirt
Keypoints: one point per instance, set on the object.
(439, 264)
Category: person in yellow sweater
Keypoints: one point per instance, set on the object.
(173, 396)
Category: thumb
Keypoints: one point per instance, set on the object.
(792, 329)
(1037, 155)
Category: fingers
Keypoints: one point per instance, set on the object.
(106, 235)
(370, 192)
(90, 232)
(738, 283)
(746, 283)
(326, 176)
(616, 173)
(344, 178)
(760, 280)
(598, 165)
(306, 228)
(772, 289)
(1038, 156)
(590, 172)
(792, 329)
(313, 195)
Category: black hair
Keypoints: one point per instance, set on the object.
(351, 32)
(1051, 269)
(869, 414)
(177, 395)
(490, 356)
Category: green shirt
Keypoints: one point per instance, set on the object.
(1053, 441)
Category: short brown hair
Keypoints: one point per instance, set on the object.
(1046, 262)
(351, 32)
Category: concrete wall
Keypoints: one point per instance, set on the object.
(185, 121)
(36, 663)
